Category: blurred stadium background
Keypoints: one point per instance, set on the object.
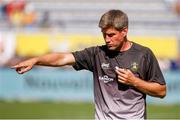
(30, 28)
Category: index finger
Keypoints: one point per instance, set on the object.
(14, 67)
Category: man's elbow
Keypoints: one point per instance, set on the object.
(162, 92)
(162, 95)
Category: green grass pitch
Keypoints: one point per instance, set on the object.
(77, 110)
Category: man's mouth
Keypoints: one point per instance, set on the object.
(109, 45)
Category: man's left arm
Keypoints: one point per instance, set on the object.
(155, 89)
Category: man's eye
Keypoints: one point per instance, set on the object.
(110, 35)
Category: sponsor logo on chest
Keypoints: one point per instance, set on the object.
(106, 79)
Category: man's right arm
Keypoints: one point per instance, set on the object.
(53, 59)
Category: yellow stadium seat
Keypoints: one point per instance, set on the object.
(163, 47)
(32, 44)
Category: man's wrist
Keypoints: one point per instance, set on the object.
(135, 83)
(35, 60)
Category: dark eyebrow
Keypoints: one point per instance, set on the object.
(109, 34)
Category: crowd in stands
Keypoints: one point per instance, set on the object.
(18, 13)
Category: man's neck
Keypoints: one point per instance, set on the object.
(126, 45)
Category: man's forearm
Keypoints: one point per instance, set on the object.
(55, 59)
(48, 60)
(150, 88)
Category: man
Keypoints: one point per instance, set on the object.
(123, 71)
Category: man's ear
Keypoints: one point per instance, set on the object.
(125, 31)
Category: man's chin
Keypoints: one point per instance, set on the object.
(111, 48)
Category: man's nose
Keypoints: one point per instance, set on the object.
(107, 39)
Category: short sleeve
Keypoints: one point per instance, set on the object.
(154, 73)
(84, 59)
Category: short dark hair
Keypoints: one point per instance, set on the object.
(114, 18)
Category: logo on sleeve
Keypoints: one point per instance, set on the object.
(105, 65)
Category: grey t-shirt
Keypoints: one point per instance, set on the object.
(114, 100)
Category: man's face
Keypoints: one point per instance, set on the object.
(114, 38)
